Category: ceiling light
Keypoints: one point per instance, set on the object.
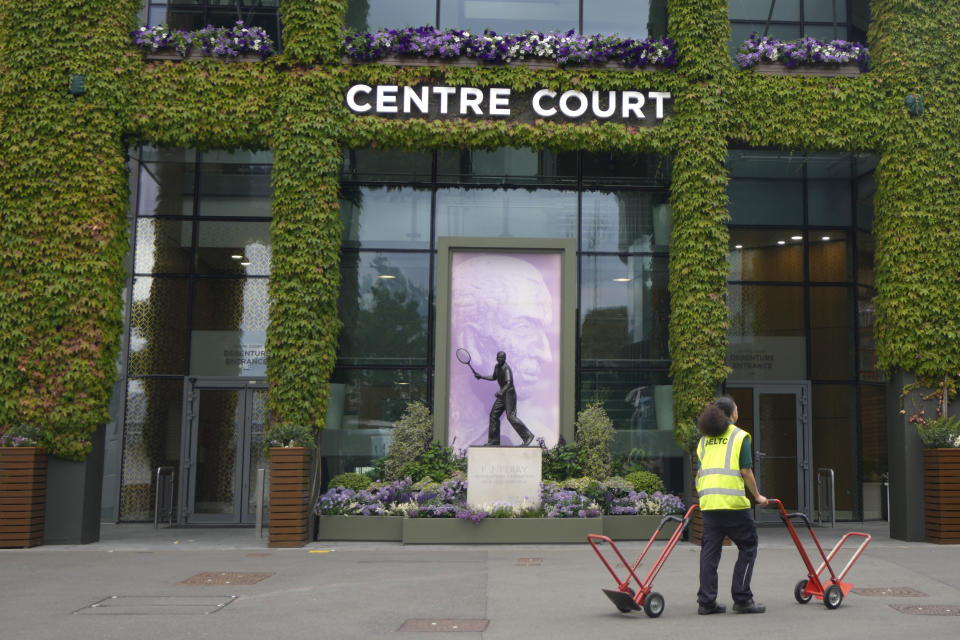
(386, 276)
(781, 242)
(796, 237)
(738, 246)
(621, 279)
(237, 256)
(825, 238)
(245, 263)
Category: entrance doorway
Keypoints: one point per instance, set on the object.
(222, 448)
(777, 416)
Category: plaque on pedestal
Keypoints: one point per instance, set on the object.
(503, 475)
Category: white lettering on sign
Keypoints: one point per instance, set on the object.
(498, 101)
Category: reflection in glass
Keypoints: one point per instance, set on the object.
(740, 31)
(386, 165)
(866, 318)
(873, 443)
(626, 221)
(775, 432)
(766, 335)
(626, 169)
(166, 189)
(766, 255)
(832, 410)
(865, 253)
(625, 18)
(380, 217)
(760, 10)
(829, 202)
(825, 10)
(625, 310)
(510, 213)
(230, 187)
(163, 246)
(766, 202)
(506, 165)
(383, 307)
(866, 187)
(373, 15)
(513, 16)
(158, 326)
(764, 164)
(230, 319)
(219, 428)
(233, 248)
(258, 454)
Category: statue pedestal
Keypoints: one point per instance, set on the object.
(504, 475)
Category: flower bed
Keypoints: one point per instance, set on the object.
(428, 43)
(806, 52)
(238, 41)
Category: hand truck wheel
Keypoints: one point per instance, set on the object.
(798, 592)
(632, 593)
(653, 605)
(833, 596)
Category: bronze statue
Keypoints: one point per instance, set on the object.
(506, 401)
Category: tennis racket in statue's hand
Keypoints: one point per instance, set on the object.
(464, 357)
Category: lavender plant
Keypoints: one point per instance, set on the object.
(225, 42)
(806, 51)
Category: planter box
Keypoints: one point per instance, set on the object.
(941, 480)
(365, 528)
(636, 527)
(290, 470)
(23, 491)
(198, 55)
(499, 530)
(848, 70)
(464, 61)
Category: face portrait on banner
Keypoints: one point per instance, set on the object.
(510, 302)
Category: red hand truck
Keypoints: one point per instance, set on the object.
(833, 590)
(624, 597)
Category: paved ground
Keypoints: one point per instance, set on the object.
(369, 590)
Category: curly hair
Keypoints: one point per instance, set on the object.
(712, 421)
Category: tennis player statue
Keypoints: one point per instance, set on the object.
(506, 400)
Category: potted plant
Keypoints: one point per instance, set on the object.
(806, 56)
(237, 42)
(291, 469)
(941, 476)
(23, 487)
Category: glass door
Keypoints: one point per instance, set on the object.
(222, 449)
(777, 417)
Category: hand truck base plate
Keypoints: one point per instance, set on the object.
(622, 600)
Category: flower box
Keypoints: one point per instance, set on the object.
(290, 471)
(360, 528)
(848, 70)
(23, 490)
(499, 530)
(941, 480)
(636, 527)
(465, 61)
(194, 54)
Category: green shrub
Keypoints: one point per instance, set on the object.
(355, 481)
(412, 434)
(288, 434)
(626, 463)
(594, 430)
(940, 433)
(562, 462)
(437, 462)
(645, 481)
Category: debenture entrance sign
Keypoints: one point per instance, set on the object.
(445, 102)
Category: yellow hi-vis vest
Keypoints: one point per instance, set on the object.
(719, 483)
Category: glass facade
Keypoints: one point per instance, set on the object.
(191, 15)
(626, 18)
(199, 304)
(823, 20)
(800, 293)
(395, 206)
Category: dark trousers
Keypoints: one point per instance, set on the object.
(507, 402)
(739, 526)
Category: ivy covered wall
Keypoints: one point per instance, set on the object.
(63, 183)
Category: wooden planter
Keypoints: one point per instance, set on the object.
(464, 61)
(499, 530)
(195, 54)
(636, 527)
(941, 480)
(847, 70)
(23, 492)
(290, 470)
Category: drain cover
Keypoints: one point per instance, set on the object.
(225, 577)
(157, 605)
(529, 562)
(928, 610)
(446, 624)
(892, 592)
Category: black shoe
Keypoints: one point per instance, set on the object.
(748, 607)
(527, 441)
(713, 607)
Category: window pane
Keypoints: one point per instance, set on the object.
(383, 306)
(386, 166)
(377, 217)
(506, 166)
(764, 164)
(510, 16)
(829, 165)
(866, 317)
(151, 439)
(163, 246)
(776, 202)
(866, 186)
(158, 326)
(235, 184)
(760, 9)
(833, 408)
(766, 335)
(865, 249)
(766, 254)
(166, 188)
(830, 256)
(510, 213)
(823, 10)
(825, 32)
(230, 319)
(625, 311)
(625, 18)
(233, 248)
(616, 169)
(373, 15)
(740, 31)
(873, 434)
(831, 333)
(829, 203)
(626, 221)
